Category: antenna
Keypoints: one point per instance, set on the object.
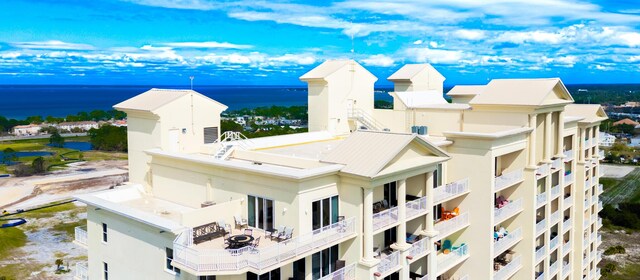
(191, 78)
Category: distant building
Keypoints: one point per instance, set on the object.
(631, 104)
(634, 142)
(626, 121)
(119, 123)
(606, 139)
(23, 130)
(84, 126)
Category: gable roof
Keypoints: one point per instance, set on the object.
(524, 92)
(408, 71)
(366, 153)
(325, 69)
(588, 112)
(413, 99)
(626, 121)
(155, 98)
(466, 90)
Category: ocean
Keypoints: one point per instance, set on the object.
(20, 101)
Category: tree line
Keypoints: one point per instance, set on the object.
(95, 115)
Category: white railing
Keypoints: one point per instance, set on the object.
(554, 242)
(507, 241)
(566, 225)
(592, 255)
(585, 261)
(566, 247)
(599, 223)
(586, 203)
(555, 217)
(542, 170)
(587, 143)
(600, 206)
(346, 273)
(416, 207)
(566, 269)
(585, 242)
(507, 211)
(540, 276)
(541, 199)
(598, 274)
(389, 262)
(442, 193)
(599, 257)
(568, 201)
(452, 225)
(555, 191)
(601, 154)
(594, 217)
(81, 235)
(446, 261)
(599, 238)
(540, 253)
(593, 237)
(541, 226)
(568, 155)
(594, 199)
(587, 183)
(426, 277)
(556, 164)
(210, 259)
(419, 247)
(385, 218)
(363, 117)
(586, 221)
(506, 271)
(508, 179)
(553, 268)
(600, 189)
(82, 271)
(568, 178)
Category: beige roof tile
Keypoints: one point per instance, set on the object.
(590, 112)
(325, 69)
(466, 90)
(155, 98)
(528, 92)
(408, 71)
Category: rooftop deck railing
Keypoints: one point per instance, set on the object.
(508, 179)
(541, 199)
(346, 273)
(506, 271)
(568, 155)
(541, 226)
(385, 218)
(452, 225)
(389, 262)
(419, 247)
(446, 261)
(442, 193)
(506, 242)
(507, 211)
(82, 271)
(210, 259)
(416, 207)
(540, 253)
(81, 235)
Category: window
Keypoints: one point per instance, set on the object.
(437, 176)
(324, 212)
(208, 277)
(104, 232)
(261, 212)
(210, 134)
(299, 272)
(106, 270)
(271, 275)
(324, 262)
(391, 194)
(169, 258)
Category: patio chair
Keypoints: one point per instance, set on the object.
(377, 251)
(446, 246)
(223, 227)
(286, 235)
(240, 222)
(248, 231)
(255, 244)
(385, 204)
(225, 238)
(277, 232)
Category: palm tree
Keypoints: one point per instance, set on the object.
(59, 263)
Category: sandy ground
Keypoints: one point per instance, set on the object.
(615, 171)
(628, 241)
(25, 192)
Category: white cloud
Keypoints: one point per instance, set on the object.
(378, 60)
(433, 44)
(470, 34)
(207, 45)
(52, 45)
(178, 4)
(436, 56)
(418, 42)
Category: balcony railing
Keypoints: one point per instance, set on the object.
(82, 271)
(508, 270)
(585, 261)
(419, 247)
(554, 243)
(568, 201)
(587, 143)
(566, 269)
(553, 268)
(81, 235)
(540, 276)
(598, 273)
(586, 203)
(346, 273)
(542, 170)
(416, 207)
(568, 155)
(599, 239)
(600, 189)
(599, 223)
(600, 206)
(556, 164)
(210, 259)
(389, 262)
(568, 179)
(566, 247)
(599, 257)
(540, 253)
(592, 255)
(508, 179)
(555, 217)
(555, 191)
(446, 261)
(443, 193)
(594, 199)
(587, 183)
(507, 211)
(541, 226)
(385, 218)
(586, 222)
(585, 242)
(452, 225)
(541, 199)
(506, 242)
(566, 225)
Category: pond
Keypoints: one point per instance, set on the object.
(23, 154)
(80, 146)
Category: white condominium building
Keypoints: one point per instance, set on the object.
(501, 183)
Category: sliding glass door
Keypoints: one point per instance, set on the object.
(261, 212)
(325, 212)
(324, 262)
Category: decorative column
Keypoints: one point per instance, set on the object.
(581, 152)
(560, 136)
(367, 226)
(596, 139)
(547, 137)
(401, 239)
(532, 141)
(429, 231)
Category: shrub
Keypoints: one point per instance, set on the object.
(618, 249)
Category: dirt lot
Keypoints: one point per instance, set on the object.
(628, 264)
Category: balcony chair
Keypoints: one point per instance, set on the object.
(255, 244)
(286, 235)
(446, 246)
(240, 222)
(276, 233)
(385, 204)
(377, 251)
(248, 231)
(223, 227)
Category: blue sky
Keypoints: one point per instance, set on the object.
(159, 42)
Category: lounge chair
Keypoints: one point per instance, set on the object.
(223, 227)
(286, 235)
(240, 222)
(277, 232)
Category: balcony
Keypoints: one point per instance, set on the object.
(568, 178)
(542, 170)
(585, 242)
(598, 273)
(599, 240)
(555, 192)
(205, 257)
(508, 270)
(416, 208)
(541, 226)
(385, 218)
(508, 179)
(346, 273)
(567, 225)
(553, 268)
(567, 202)
(600, 189)
(507, 242)
(586, 203)
(451, 190)
(568, 155)
(556, 164)
(453, 258)
(554, 243)
(555, 217)
(587, 184)
(540, 276)
(566, 269)
(592, 255)
(388, 263)
(507, 211)
(586, 222)
(600, 206)
(585, 261)
(598, 257)
(598, 223)
(566, 247)
(586, 144)
(540, 253)
(449, 226)
(541, 199)
(594, 199)
(82, 271)
(81, 236)
(419, 248)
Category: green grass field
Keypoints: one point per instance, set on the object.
(626, 189)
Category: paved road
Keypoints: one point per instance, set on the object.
(11, 138)
(625, 190)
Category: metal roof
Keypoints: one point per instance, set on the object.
(528, 92)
